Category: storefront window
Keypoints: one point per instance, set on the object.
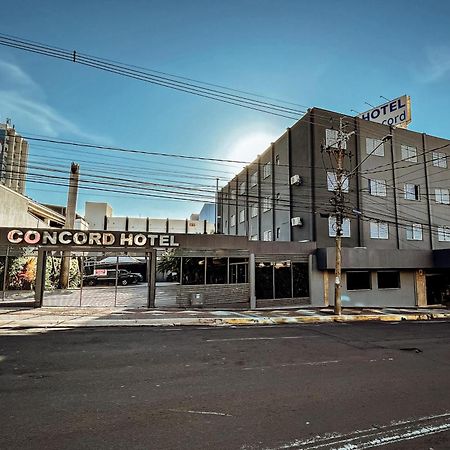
(238, 270)
(216, 270)
(300, 278)
(264, 280)
(193, 271)
(283, 282)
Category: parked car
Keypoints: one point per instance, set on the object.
(108, 276)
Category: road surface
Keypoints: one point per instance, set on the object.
(335, 386)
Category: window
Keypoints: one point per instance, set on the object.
(267, 170)
(254, 210)
(277, 160)
(254, 179)
(444, 234)
(242, 215)
(377, 188)
(238, 270)
(254, 237)
(278, 233)
(233, 194)
(388, 279)
(278, 197)
(414, 232)
(332, 139)
(267, 235)
(193, 270)
(332, 227)
(233, 220)
(442, 196)
(374, 147)
(439, 159)
(332, 182)
(379, 230)
(266, 204)
(242, 188)
(409, 153)
(359, 280)
(412, 191)
(216, 270)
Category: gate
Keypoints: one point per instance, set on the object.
(112, 279)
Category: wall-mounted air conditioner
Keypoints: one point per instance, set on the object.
(296, 222)
(296, 179)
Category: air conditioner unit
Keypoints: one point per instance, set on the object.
(296, 221)
(296, 179)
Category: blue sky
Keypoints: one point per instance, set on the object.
(330, 54)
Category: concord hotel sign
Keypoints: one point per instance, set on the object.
(396, 112)
(78, 238)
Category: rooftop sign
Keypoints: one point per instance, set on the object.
(396, 112)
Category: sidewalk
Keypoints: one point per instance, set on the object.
(57, 317)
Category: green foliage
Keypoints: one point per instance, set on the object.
(168, 262)
(52, 272)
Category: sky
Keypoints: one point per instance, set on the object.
(335, 55)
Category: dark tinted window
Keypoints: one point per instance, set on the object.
(193, 270)
(389, 279)
(216, 270)
(358, 280)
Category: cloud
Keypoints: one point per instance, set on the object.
(22, 99)
(436, 66)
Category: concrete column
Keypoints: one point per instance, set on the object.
(40, 278)
(252, 280)
(151, 275)
(70, 222)
(421, 288)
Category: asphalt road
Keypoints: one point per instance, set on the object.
(302, 387)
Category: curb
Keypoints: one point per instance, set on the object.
(221, 322)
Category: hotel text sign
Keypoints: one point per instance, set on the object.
(77, 238)
(397, 112)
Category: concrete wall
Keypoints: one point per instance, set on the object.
(403, 297)
(215, 294)
(14, 211)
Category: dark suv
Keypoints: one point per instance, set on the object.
(108, 276)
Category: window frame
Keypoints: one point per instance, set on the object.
(443, 233)
(409, 153)
(267, 170)
(267, 236)
(412, 232)
(332, 182)
(376, 226)
(374, 188)
(439, 159)
(442, 196)
(351, 272)
(399, 285)
(375, 142)
(346, 226)
(407, 191)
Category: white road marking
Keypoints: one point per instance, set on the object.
(374, 437)
(260, 338)
(210, 413)
(307, 363)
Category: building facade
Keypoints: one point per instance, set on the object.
(397, 206)
(13, 158)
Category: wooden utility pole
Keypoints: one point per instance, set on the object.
(70, 222)
(339, 150)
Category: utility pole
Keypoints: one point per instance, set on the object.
(70, 222)
(339, 150)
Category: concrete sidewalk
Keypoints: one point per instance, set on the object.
(64, 317)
